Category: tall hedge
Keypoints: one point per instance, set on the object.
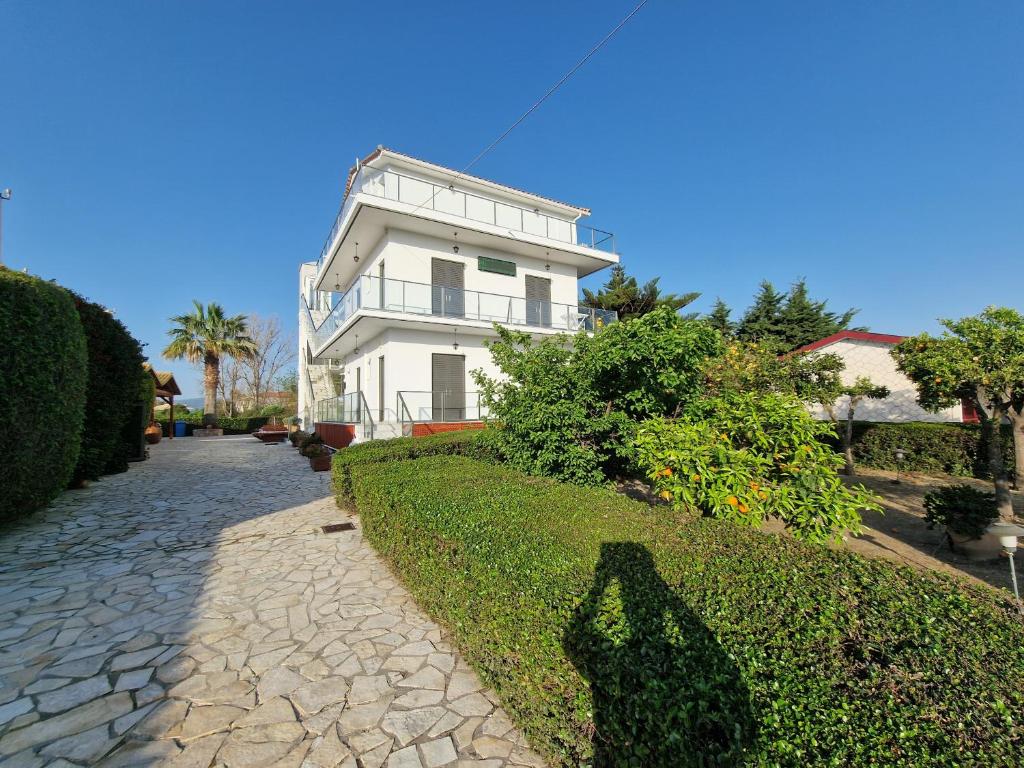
(618, 634)
(132, 439)
(42, 391)
(115, 359)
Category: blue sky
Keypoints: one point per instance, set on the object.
(165, 151)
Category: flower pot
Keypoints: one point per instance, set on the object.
(320, 463)
(153, 433)
(985, 548)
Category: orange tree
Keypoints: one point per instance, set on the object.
(980, 359)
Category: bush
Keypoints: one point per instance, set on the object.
(132, 444)
(232, 425)
(475, 443)
(115, 359)
(952, 449)
(620, 635)
(962, 509)
(748, 457)
(311, 444)
(296, 436)
(42, 391)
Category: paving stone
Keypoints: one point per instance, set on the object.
(418, 698)
(130, 681)
(405, 758)
(313, 697)
(12, 709)
(73, 721)
(328, 751)
(366, 688)
(428, 677)
(462, 683)
(72, 695)
(278, 682)
(202, 721)
(489, 746)
(277, 710)
(407, 725)
(474, 704)
(438, 752)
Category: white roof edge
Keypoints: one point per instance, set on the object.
(392, 155)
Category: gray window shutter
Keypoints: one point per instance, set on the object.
(538, 300)
(448, 297)
(448, 387)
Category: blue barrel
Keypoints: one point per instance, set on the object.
(179, 428)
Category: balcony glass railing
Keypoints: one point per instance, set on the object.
(427, 195)
(424, 299)
(414, 406)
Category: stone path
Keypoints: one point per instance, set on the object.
(192, 613)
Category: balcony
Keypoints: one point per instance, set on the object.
(424, 300)
(445, 205)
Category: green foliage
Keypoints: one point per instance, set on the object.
(296, 437)
(135, 423)
(474, 443)
(618, 635)
(719, 319)
(625, 296)
(311, 444)
(952, 449)
(786, 322)
(567, 413)
(962, 508)
(112, 392)
(43, 370)
(745, 458)
(232, 425)
(749, 367)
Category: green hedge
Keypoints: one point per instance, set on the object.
(42, 391)
(115, 358)
(953, 449)
(232, 425)
(625, 635)
(475, 443)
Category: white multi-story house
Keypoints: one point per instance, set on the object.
(420, 263)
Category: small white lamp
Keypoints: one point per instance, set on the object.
(1008, 533)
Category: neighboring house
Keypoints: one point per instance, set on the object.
(420, 262)
(868, 354)
(243, 403)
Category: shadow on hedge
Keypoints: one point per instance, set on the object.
(664, 690)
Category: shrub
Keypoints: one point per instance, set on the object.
(42, 391)
(748, 457)
(953, 449)
(963, 509)
(296, 437)
(309, 446)
(475, 443)
(620, 635)
(566, 408)
(115, 359)
(132, 443)
(232, 425)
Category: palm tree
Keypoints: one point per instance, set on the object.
(206, 335)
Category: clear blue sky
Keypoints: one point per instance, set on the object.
(165, 151)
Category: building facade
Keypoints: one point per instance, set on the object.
(868, 354)
(420, 264)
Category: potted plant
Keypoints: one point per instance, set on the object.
(319, 456)
(153, 433)
(313, 438)
(966, 513)
(297, 437)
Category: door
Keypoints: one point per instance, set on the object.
(447, 280)
(538, 301)
(380, 389)
(448, 387)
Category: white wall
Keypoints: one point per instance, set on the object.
(408, 366)
(872, 359)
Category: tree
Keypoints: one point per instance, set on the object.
(745, 367)
(227, 386)
(718, 318)
(980, 359)
(761, 322)
(272, 352)
(804, 320)
(206, 335)
(854, 393)
(623, 295)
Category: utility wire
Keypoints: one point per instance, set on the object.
(550, 92)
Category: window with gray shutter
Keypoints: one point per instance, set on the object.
(448, 386)
(447, 283)
(538, 300)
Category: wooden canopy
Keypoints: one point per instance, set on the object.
(166, 389)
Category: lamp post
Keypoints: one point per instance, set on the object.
(901, 454)
(1008, 534)
(5, 194)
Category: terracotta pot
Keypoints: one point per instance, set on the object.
(153, 433)
(985, 548)
(320, 463)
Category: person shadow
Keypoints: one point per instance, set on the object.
(665, 692)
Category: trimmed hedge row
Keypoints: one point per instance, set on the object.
(232, 425)
(112, 391)
(475, 443)
(618, 634)
(953, 449)
(42, 391)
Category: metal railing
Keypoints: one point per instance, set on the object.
(425, 299)
(416, 406)
(350, 408)
(428, 195)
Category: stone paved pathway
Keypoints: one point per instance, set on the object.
(192, 613)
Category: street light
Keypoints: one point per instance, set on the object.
(5, 194)
(1008, 533)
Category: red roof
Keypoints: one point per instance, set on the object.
(882, 338)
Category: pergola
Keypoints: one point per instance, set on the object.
(166, 389)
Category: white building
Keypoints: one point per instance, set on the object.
(419, 264)
(868, 354)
